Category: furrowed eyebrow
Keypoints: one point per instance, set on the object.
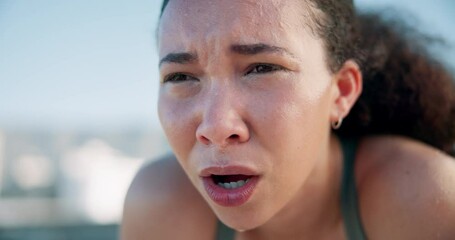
(253, 49)
(180, 58)
(243, 49)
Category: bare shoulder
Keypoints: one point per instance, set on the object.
(161, 203)
(406, 189)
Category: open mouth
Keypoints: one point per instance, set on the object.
(230, 190)
(230, 181)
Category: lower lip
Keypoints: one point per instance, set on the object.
(229, 197)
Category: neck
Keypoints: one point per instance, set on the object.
(314, 211)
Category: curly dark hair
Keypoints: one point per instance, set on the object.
(406, 91)
(335, 25)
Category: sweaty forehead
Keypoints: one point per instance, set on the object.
(188, 22)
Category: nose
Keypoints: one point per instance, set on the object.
(222, 122)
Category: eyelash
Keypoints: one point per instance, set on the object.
(269, 68)
(174, 78)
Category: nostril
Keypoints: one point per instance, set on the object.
(234, 137)
(204, 140)
(221, 136)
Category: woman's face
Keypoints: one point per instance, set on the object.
(245, 101)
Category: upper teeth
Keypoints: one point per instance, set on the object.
(232, 185)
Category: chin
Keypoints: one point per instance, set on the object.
(242, 224)
(243, 218)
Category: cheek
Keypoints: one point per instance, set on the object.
(297, 130)
(298, 126)
(178, 125)
(296, 115)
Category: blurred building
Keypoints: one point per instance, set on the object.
(55, 178)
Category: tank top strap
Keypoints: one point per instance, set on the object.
(349, 204)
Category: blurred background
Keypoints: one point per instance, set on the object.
(78, 94)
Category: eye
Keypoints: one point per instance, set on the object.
(263, 68)
(178, 78)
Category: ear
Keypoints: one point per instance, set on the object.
(347, 86)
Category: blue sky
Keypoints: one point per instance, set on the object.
(93, 64)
